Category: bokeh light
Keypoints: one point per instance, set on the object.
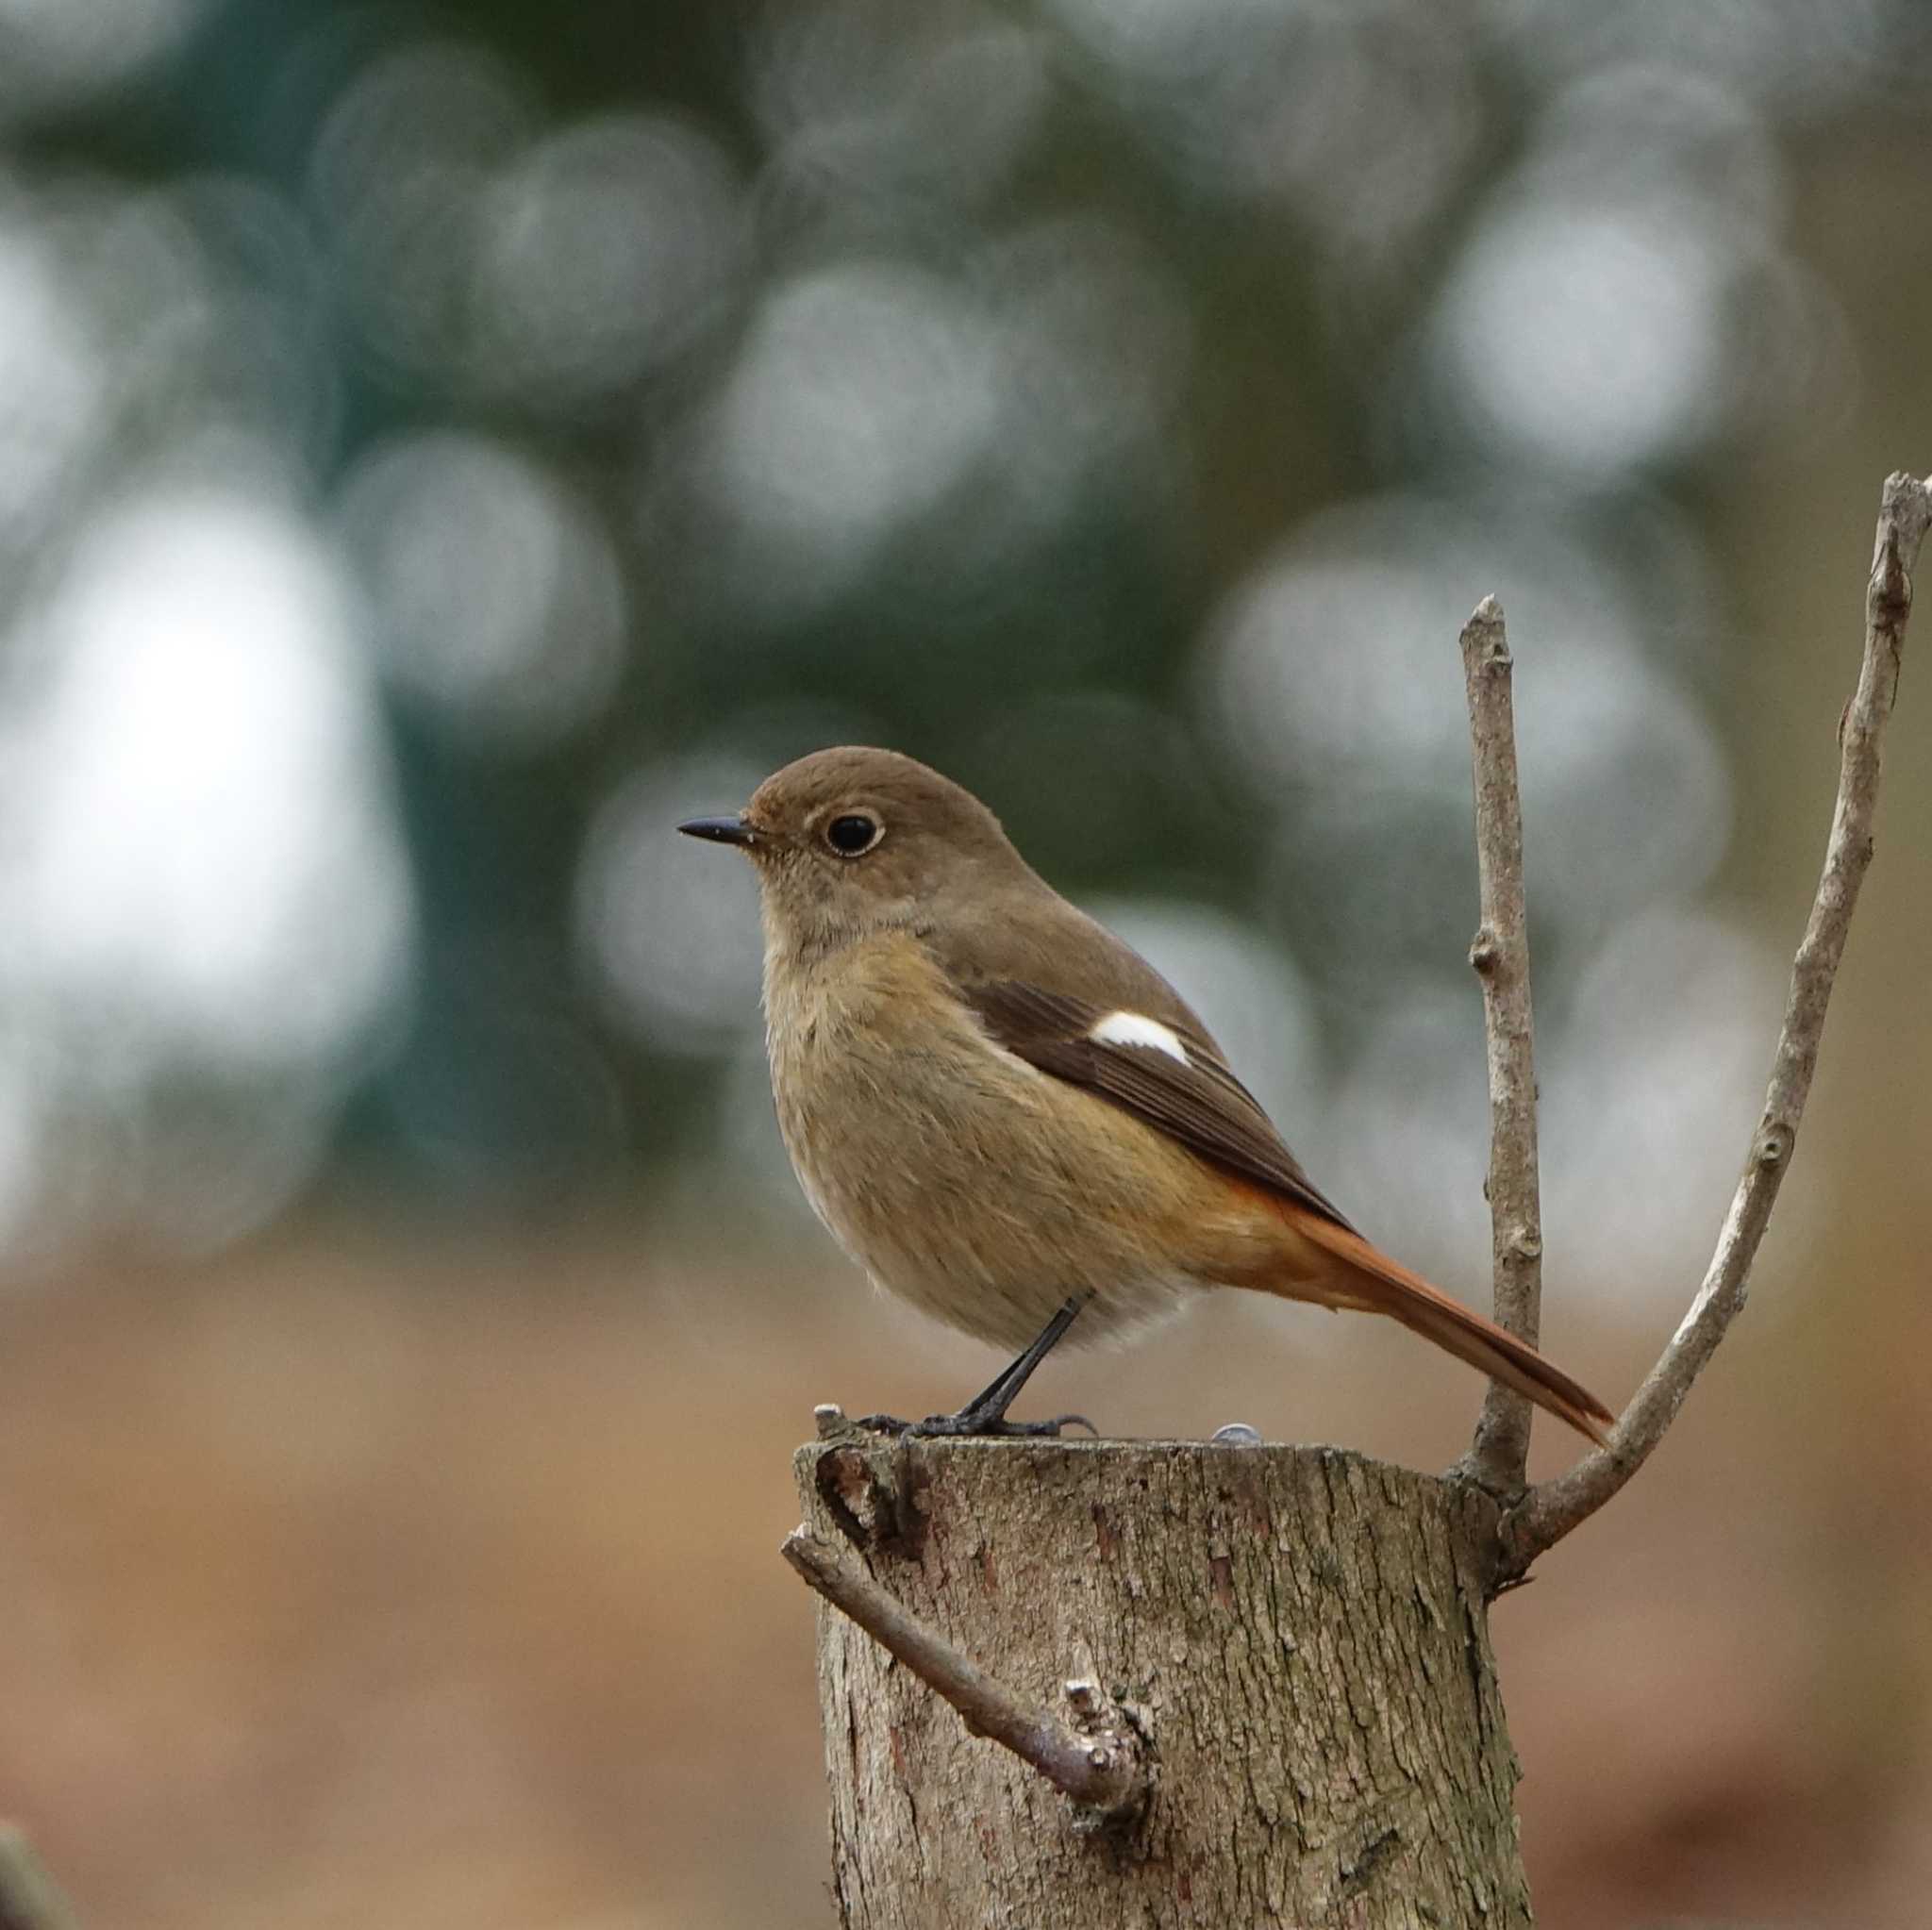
(399, 181)
(1592, 333)
(494, 591)
(605, 248)
(203, 882)
(53, 55)
(51, 371)
(205, 829)
(1330, 678)
(877, 119)
(670, 924)
(865, 395)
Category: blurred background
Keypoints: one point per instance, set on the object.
(441, 447)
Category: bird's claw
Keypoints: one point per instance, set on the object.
(969, 1426)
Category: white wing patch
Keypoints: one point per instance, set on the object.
(1133, 1028)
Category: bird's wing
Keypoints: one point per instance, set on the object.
(1161, 1067)
(1129, 1038)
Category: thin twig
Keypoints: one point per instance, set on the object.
(1098, 1764)
(1552, 1509)
(1500, 1455)
(29, 1900)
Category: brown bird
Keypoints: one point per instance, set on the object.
(1007, 1116)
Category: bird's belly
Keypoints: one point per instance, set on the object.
(981, 1190)
(993, 1248)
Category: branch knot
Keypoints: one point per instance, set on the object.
(1891, 596)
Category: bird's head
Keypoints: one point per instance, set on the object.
(853, 840)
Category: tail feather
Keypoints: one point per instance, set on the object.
(1390, 1287)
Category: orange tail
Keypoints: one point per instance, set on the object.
(1388, 1287)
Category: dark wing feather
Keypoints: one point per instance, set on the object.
(1200, 1104)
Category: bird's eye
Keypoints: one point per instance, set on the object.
(854, 835)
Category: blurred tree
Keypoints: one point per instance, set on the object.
(1116, 405)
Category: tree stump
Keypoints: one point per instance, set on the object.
(1299, 1635)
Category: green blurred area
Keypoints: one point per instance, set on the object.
(440, 448)
(1114, 404)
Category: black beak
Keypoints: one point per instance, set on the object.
(718, 830)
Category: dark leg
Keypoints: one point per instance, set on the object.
(991, 1402)
(985, 1412)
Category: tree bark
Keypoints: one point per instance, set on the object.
(1298, 1635)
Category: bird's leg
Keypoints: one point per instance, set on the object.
(985, 1412)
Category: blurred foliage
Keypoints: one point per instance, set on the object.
(441, 447)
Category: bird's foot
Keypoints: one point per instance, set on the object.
(972, 1424)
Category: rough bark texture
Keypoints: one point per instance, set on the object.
(1299, 1633)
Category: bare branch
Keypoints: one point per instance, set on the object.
(29, 1900)
(1552, 1509)
(1097, 1763)
(1500, 1455)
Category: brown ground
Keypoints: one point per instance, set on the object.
(355, 1584)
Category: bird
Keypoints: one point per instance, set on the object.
(1007, 1118)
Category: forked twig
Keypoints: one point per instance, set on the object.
(1553, 1507)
